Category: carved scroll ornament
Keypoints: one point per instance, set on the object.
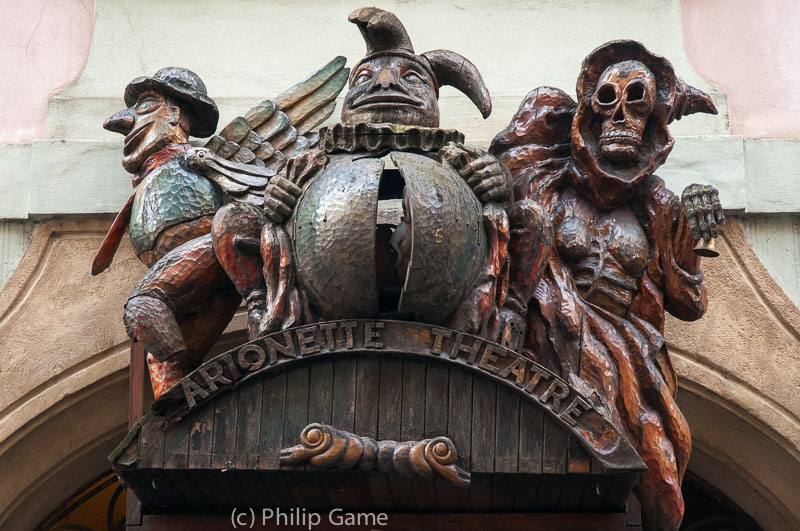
(324, 446)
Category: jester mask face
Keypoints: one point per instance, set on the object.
(391, 89)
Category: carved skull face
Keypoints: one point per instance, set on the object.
(625, 96)
(391, 89)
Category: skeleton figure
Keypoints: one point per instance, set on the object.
(185, 301)
(625, 97)
(390, 108)
(623, 248)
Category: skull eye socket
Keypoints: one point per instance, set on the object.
(635, 92)
(606, 95)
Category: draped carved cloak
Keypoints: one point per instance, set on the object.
(620, 362)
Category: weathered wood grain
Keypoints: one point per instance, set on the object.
(201, 437)
(176, 445)
(151, 443)
(554, 451)
(248, 428)
(273, 401)
(343, 402)
(368, 377)
(507, 431)
(226, 413)
(390, 420)
(531, 438)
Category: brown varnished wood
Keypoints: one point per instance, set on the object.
(205, 482)
(565, 253)
(572, 490)
(133, 506)
(623, 251)
(501, 487)
(559, 400)
(578, 461)
(182, 305)
(137, 382)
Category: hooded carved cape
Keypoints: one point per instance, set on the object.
(621, 362)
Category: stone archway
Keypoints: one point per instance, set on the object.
(739, 372)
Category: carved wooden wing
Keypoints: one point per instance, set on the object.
(254, 147)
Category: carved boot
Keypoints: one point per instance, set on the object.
(165, 374)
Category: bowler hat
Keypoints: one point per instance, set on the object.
(186, 86)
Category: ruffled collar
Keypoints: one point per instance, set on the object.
(348, 138)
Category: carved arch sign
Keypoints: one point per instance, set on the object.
(368, 337)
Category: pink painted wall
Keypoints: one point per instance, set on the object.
(44, 45)
(751, 51)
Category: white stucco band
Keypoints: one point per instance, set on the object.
(55, 177)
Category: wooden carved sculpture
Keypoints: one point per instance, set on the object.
(351, 232)
(623, 248)
(324, 446)
(186, 299)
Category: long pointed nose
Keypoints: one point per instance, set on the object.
(120, 122)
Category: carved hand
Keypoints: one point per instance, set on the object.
(280, 197)
(703, 210)
(284, 189)
(487, 177)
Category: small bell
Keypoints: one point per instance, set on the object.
(706, 249)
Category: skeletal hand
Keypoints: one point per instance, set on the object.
(487, 177)
(284, 189)
(703, 210)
